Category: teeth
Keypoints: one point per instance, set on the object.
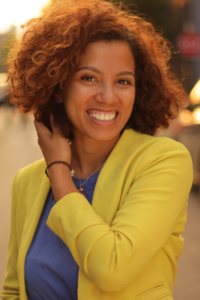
(103, 117)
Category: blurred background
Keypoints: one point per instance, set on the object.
(179, 20)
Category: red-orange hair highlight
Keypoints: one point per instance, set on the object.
(51, 45)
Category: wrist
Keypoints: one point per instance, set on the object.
(58, 162)
(58, 171)
(61, 181)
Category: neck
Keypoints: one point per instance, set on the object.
(88, 155)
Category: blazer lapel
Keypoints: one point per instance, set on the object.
(108, 194)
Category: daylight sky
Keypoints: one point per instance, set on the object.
(16, 12)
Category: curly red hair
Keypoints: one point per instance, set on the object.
(51, 45)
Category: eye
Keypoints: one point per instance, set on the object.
(88, 78)
(124, 81)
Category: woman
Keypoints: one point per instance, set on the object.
(96, 75)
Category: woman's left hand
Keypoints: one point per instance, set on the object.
(53, 144)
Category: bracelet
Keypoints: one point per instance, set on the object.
(59, 162)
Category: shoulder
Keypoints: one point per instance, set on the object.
(33, 173)
(141, 151)
(144, 144)
(33, 169)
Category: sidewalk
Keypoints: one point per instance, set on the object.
(187, 285)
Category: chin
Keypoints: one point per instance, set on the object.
(102, 136)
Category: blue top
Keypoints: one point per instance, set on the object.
(50, 271)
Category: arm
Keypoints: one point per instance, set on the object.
(11, 284)
(112, 256)
(55, 147)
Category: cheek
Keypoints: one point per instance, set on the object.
(73, 108)
(75, 96)
(70, 100)
(69, 109)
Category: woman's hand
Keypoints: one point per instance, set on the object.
(53, 145)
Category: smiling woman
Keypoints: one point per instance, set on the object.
(99, 96)
(106, 221)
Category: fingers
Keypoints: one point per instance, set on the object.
(42, 129)
(44, 133)
(52, 144)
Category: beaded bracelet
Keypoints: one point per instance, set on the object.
(59, 162)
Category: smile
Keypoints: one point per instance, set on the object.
(103, 116)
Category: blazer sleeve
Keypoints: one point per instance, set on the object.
(112, 256)
(11, 284)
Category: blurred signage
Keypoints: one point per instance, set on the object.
(188, 44)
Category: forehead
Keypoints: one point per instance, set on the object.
(104, 54)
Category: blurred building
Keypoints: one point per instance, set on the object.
(188, 44)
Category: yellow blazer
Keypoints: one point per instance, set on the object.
(128, 241)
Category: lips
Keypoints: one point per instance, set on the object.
(102, 115)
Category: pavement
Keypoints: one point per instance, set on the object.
(18, 148)
(187, 285)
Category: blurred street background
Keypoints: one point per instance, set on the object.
(179, 20)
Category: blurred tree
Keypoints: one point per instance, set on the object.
(6, 41)
(163, 14)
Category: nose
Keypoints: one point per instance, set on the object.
(106, 94)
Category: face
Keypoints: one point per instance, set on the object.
(100, 94)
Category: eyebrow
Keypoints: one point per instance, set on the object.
(101, 73)
(126, 73)
(91, 69)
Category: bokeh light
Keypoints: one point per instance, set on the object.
(195, 93)
(196, 115)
